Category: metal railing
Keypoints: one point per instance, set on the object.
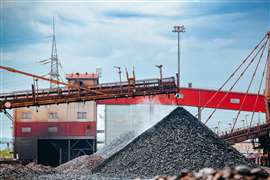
(97, 92)
(248, 133)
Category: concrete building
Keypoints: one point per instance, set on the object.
(121, 119)
(54, 134)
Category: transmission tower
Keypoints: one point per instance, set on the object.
(54, 72)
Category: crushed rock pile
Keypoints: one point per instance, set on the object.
(86, 163)
(116, 144)
(80, 164)
(39, 168)
(177, 142)
(19, 171)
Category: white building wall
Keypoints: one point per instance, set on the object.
(120, 119)
(65, 112)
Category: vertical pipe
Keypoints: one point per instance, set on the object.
(93, 146)
(69, 149)
(178, 59)
(199, 113)
(151, 112)
(60, 155)
(105, 125)
(267, 83)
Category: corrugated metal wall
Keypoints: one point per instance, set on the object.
(120, 119)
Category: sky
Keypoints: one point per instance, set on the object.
(103, 34)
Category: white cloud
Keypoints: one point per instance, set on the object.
(87, 37)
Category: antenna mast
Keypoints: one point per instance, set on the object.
(54, 72)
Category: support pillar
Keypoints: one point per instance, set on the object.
(69, 150)
(199, 113)
(60, 156)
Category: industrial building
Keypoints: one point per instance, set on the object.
(55, 134)
(121, 119)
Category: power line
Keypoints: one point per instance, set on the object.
(237, 80)
(250, 83)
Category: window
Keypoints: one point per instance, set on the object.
(81, 115)
(235, 101)
(26, 129)
(52, 129)
(52, 115)
(26, 115)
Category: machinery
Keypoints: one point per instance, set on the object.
(165, 91)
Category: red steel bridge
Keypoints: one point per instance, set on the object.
(164, 91)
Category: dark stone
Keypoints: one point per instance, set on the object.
(242, 170)
(179, 141)
(259, 173)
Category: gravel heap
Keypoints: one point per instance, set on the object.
(86, 163)
(177, 142)
(19, 171)
(116, 145)
(39, 168)
(80, 164)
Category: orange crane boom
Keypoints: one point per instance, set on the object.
(33, 75)
(46, 79)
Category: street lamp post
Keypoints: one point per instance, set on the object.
(243, 121)
(160, 71)
(119, 72)
(179, 29)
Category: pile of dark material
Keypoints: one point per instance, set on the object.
(86, 163)
(80, 164)
(239, 172)
(19, 171)
(177, 142)
(116, 144)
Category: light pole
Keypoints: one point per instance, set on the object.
(179, 29)
(160, 71)
(243, 121)
(119, 72)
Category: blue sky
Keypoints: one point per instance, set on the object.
(101, 34)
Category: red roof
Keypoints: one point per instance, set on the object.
(82, 76)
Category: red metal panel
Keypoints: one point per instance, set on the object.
(40, 129)
(198, 98)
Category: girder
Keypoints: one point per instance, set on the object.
(197, 98)
(65, 95)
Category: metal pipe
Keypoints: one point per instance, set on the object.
(178, 29)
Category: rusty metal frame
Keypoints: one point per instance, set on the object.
(67, 95)
(245, 134)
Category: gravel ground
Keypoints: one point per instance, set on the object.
(177, 142)
(18, 171)
(80, 165)
(237, 173)
(79, 176)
